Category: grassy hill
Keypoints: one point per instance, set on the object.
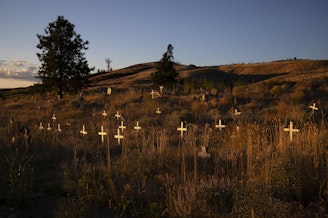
(250, 168)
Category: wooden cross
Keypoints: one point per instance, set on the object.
(104, 113)
(102, 134)
(313, 107)
(158, 111)
(118, 136)
(53, 117)
(237, 112)
(49, 127)
(220, 126)
(137, 127)
(152, 94)
(41, 126)
(117, 115)
(182, 129)
(122, 127)
(291, 130)
(83, 132)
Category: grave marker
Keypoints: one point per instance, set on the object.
(161, 89)
(158, 111)
(41, 126)
(137, 127)
(49, 127)
(83, 132)
(122, 127)
(152, 93)
(109, 91)
(54, 117)
(118, 136)
(104, 113)
(58, 128)
(182, 129)
(236, 113)
(117, 115)
(102, 134)
(220, 126)
(313, 107)
(291, 130)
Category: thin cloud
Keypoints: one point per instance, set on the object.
(18, 69)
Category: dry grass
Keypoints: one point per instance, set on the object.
(253, 171)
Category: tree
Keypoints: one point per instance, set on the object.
(165, 72)
(63, 65)
(108, 62)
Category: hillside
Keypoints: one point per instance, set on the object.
(71, 158)
(279, 71)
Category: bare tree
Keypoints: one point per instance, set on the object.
(108, 62)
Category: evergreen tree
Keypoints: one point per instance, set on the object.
(165, 72)
(63, 65)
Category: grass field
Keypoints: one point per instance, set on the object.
(254, 169)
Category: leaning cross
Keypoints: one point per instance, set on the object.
(118, 136)
(102, 134)
(291, 130)
(237, 112)
(182, 129)
(220, 126)
(83, 132)
(122, 127)
(313, 107)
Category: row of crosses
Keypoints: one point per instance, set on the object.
(181, 129)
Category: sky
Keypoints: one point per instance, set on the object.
(202, 32)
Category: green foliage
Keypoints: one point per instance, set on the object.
(165, 72)
(63, 65)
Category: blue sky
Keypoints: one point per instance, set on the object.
(203, 32)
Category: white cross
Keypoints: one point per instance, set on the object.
(137, 127)
(152, 94)
(182, 129)
(313, 107)
(83, 132)
(122, 127)
(237, 112)
(104, 113)
(54, 117)
(41, 126)
(158, 111)
(58, 128)
(118, 136)
(102, 134)
(291, 130)
(117, 115)
(49, 127)
(220, 126)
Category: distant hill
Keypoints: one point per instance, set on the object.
(276, 71)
